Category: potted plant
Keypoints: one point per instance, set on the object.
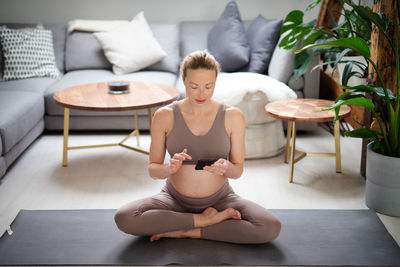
(352, 67)
(383, 155)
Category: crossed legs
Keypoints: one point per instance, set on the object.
(231, 219)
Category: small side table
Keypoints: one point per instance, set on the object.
(95, 97)
(306, 110)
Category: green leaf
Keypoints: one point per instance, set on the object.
(356, 44)
(302, 63)
(342, 54)
(312, 5)
(347, 72)
(370, 15)
(364, 133)
(292, 19)
(381, 92)
(356, 100)
(348, 95)
(360, 88)
(370, 89)
(313, 37)
(381, 21)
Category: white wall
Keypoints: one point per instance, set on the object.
(172, 11)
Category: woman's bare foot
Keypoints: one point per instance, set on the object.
(192, 233)
(211, 216)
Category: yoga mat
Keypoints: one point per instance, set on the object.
(90, 237)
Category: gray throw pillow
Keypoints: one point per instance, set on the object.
(227, 40)
(263, 36)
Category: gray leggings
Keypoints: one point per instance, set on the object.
(171, 211)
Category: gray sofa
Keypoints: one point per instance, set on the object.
(27, 107)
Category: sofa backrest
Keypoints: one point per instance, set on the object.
(193, 36)
(59, 33)
(83, 51)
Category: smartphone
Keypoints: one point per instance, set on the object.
(204, 162)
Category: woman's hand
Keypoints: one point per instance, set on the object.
(219, 167)
(176, 162)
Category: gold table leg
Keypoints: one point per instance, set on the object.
(288, 135)
(137, 128)
(66, 133)
(65, 143)
(150, 114)
(291, 137)
(292, 151)
(337, 147)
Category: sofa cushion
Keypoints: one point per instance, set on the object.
(59, 33)
(227, 40)
(19, 113)
(262, 35)
(28, 53)
(74, 78)
(83, 51)
(296, 84)
(38, 85)
(3, 166)
(281, 64)
(168, 37)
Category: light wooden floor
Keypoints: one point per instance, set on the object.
(105, 178)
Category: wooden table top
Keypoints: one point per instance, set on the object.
(304, 110)
(95, 97)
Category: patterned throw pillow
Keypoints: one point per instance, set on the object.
(28, 53)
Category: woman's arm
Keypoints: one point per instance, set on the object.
(236, 126)
(157, 168)
(162, 121)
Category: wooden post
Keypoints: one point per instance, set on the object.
(381, 52)
(329, 10)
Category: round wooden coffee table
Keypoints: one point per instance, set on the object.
(96, 97)
(306, 110)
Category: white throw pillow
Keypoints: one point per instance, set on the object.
(131, 46)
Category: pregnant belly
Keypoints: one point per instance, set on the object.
(196, 183)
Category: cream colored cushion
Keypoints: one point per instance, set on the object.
(131, 46)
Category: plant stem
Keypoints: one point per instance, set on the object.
(380, 79)
(396, 53)
(383, 131)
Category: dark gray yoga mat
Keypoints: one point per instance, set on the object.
(90, 237)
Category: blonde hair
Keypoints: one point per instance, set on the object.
(199, 60)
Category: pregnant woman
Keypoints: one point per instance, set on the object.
(198, 203)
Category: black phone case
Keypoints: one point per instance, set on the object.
(204, 162)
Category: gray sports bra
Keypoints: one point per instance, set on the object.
(215, 144)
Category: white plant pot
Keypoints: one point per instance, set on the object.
(383, 183)
(353, 80)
